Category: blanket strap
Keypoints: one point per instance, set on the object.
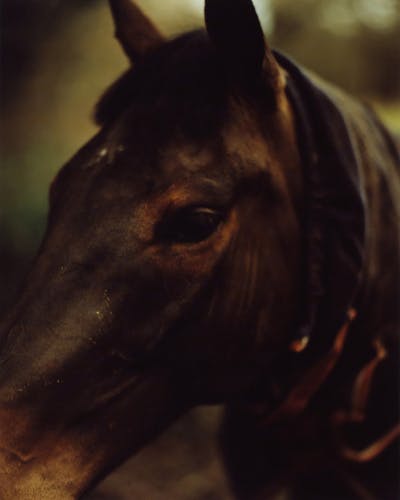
(299, 397)
(357, 413)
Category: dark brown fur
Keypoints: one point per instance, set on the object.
(124, 324)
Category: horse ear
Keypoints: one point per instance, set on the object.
(234, 28)
(133, 29)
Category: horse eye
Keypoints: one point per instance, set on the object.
(190, 225)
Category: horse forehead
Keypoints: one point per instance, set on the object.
(123, 155)
(239, 143)
(244, 141)
(186, 157)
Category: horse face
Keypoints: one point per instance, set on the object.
(166, 275)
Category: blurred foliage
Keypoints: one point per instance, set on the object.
(354, 43)
(57, 56)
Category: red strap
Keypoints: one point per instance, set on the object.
(361, 390)
(301, 394)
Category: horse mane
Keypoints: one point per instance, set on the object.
(185, 85)
(181, 81)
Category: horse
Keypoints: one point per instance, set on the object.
(229, 236)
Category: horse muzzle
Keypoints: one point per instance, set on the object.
(67, 461)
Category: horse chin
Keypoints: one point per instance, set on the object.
(67, 464)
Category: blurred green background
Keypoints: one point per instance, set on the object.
(57, 56)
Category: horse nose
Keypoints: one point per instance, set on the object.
(22, 399)
(14, 361)
(26, 381)
(18, 435)
(8, 389)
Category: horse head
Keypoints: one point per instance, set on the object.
(169, 272)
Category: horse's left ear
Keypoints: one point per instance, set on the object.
(234, 28)
(134, 30)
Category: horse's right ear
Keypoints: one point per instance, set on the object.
(235, 30)
(134, 30)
